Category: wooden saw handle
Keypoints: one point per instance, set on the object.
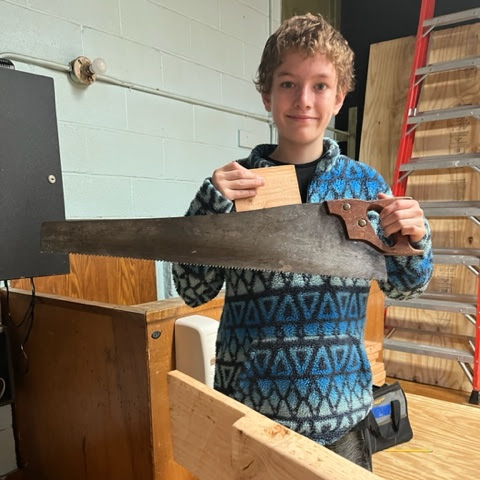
(354, 214)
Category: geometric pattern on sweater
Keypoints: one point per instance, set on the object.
(291, 346)
(296, 353)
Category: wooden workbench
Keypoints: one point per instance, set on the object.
(451, 431)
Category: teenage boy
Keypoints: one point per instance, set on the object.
(291, 346)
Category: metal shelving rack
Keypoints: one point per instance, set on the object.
(468, 305)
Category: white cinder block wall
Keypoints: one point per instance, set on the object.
(125, 153)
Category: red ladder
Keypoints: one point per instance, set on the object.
(469, 305)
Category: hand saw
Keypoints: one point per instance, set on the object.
(329, 238)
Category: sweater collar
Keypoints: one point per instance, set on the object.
(259, 156)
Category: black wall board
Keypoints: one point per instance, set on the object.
(31, 188)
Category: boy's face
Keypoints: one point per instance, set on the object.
(302, 100)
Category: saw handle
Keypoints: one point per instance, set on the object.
(354, 213)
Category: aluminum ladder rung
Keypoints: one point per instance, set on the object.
(451, 209)
(445, 114)
(442, 161)
(453, 18)
(429, 350)
(457, 256)
(440, 302)
(461, 63)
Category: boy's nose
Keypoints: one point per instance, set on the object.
(303, 98)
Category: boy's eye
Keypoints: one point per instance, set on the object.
(287, 84)
(321, 86)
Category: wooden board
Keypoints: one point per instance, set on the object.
(93, 404)
(281, 188)
(449, 430)
(81, 409)
(384, 107)
(121, 281)
(389, 69)
(217, 438)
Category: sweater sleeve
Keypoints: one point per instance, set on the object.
(200, 284)
(408, 276)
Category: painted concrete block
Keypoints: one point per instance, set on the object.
(99, 104)
(126, 60)
(73, 149)
(88, 196)
(31, 33)
(155, 26)
(243, 22)
(191, 80)
(205, 11)
(217, 128)
(217, 49)
(194, 161)
(103, 15)
(154, 115)
(242, 95)
(155, 198)
(124, 154)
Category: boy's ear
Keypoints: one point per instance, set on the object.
(267, 101)
(339, 101)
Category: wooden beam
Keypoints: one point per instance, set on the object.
(218, 438)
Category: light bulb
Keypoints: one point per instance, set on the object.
(98, 66)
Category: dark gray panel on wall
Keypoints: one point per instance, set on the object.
(29, 157)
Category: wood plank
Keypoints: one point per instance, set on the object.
(385, 101)
(449, 430)
(389, 67)
(160, 318)
(263, 449)
(82, 408)
(121, 281)
(281, 188)
(218, 438)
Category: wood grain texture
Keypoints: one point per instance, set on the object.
(121, 281)
(449, 430)
(281, 188)
(388, 78)
(385, 101)
(82, 408)
(93, 405)
(218, 438)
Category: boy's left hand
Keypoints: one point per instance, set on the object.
(403, 216)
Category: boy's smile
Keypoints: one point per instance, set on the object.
(303, 99)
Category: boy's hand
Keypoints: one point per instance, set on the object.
(234, 181)
(404, 217)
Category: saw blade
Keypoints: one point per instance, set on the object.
(294, 238)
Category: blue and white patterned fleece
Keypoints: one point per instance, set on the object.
(291, 346)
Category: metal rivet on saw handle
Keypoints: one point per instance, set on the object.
(346, 206)
(362, 222)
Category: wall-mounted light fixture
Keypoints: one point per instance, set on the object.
(85, 71)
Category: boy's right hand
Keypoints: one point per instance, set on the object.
(234, 181)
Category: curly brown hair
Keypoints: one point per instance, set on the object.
(310, 34)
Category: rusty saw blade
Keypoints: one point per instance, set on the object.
(330, 238)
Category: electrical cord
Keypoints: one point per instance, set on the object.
(29, 317)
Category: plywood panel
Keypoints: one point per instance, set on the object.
(384, 93)
(82, 409)
(451, 433)
(121, 281)
(389, 70)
